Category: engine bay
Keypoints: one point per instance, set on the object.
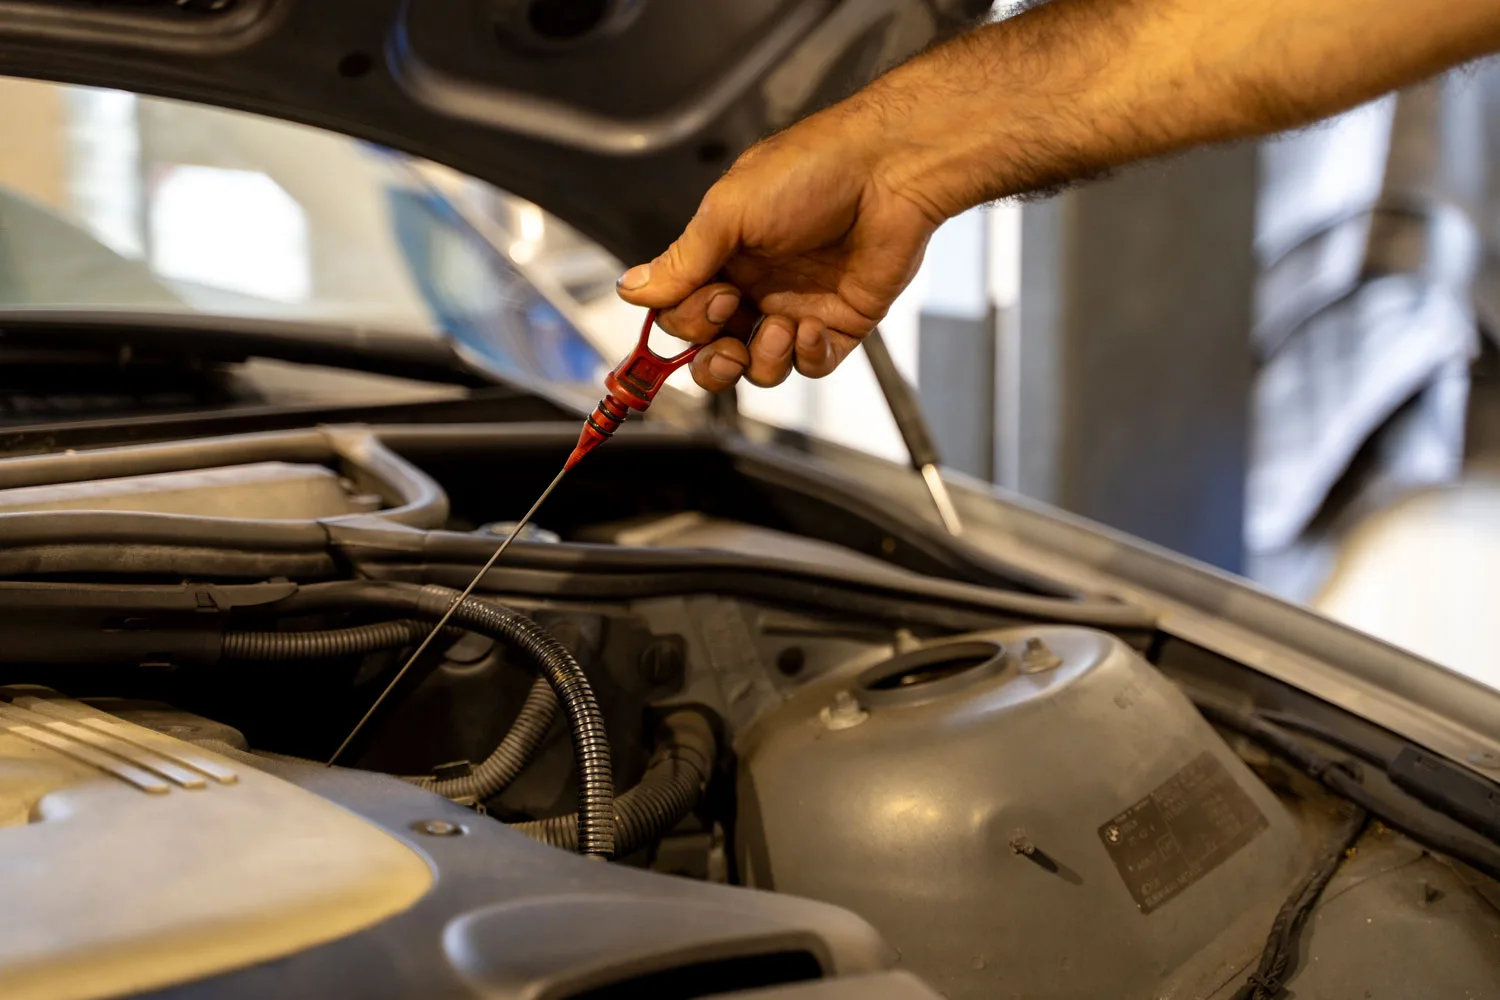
(824, 750)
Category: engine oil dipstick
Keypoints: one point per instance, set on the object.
(630, 385)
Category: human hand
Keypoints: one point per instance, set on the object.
(793, 256)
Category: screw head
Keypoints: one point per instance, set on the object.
(1038, 656)
(844, 713)
(1112, 835)
(439, 828)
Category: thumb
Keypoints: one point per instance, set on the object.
(691, 262)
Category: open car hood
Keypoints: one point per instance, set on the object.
(614, 115)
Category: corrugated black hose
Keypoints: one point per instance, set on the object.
(672, 785)
(492, 776)
(595, 833)
(510, 758)
(596, 784)
(326, 644)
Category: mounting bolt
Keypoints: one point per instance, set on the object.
(439, 828)
(844, 713)
(1038, 657)
(1112, 835)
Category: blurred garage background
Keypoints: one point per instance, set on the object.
(1277, 359)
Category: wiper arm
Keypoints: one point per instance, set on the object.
(191, 337)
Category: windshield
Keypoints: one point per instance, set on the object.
(119, 203)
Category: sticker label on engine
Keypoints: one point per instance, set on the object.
(1179, 833)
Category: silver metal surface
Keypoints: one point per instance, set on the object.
(942, 500)
(792, 85)
(1420, 700)
(968, 818)
(568, 125)
(520, 526)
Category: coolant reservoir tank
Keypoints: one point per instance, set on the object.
(1032, 813)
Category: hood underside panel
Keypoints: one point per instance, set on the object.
(615, 115)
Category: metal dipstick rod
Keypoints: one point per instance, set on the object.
(632, 385)
(489, 564)
(906, 409)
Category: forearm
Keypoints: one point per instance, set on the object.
(1074, 87)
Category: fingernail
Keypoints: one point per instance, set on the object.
(636, 277)
(775, 339)
(722, 306)
(724, 368)
(808, 338)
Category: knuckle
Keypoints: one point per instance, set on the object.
(671, 258)
(717, 207)
(712, 204)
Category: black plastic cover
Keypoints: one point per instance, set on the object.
(510, 917)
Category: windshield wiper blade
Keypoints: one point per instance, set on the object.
(170, 336)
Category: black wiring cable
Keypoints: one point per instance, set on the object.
(606, 567)
(1323, 734)
(1342, 777)
(866, 600)
(596, 795)
(179, 547)
(324, 644)
(1266, 982)
(596, 785)
(515, 752)
(493, 775)
(675, 777)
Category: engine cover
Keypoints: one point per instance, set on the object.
(139, 864)
(133, 860)
(1023, 813)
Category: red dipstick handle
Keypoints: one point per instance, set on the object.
(632, 385)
